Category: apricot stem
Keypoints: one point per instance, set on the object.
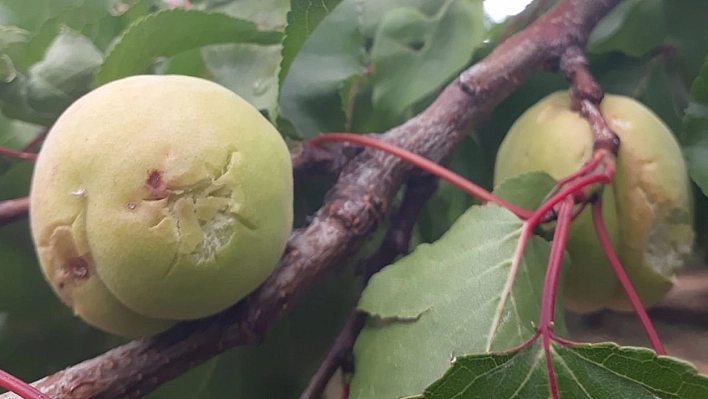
(606, 244)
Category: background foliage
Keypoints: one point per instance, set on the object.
(311, 66)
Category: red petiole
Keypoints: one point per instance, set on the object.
(18, 154)
(424, 164)
(550, 287)
(606, 244)
(19, 387)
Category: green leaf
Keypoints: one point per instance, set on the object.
(414, 53)
(172, 32)
(11, 35)
(686, 24)
(526, 190)
(634, 27)
(303, 18)
(32, 14)
(64, 74)
(283, 364)
(449, 202)
(247, 69)
(91, 18)
(656, 82)
(445, 299)
(268, 14)
(694, 135)
(582, 371)
(309, 96)
(16, 134)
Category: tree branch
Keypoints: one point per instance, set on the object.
(395, 243)
(353, 209)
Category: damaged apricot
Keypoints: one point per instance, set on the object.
(648, 209)
(157, 199)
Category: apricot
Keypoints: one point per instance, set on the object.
(647, 210)
(157, 199)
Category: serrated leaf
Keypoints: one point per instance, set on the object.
(634, 27)
(414, 52)
(64, 74)
(247, 69)
(582, 371)
(309, 96)
(445, 299)
(303, 18)
(526, 190)
(172, 32)
(11, 35)
(91, 18)
(694, 135)
(268, 14)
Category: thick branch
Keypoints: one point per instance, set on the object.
(353, 209)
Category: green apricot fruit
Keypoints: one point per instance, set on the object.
(648, 209)
(157, 199)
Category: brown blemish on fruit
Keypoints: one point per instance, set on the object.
(78, 267)
(154, 179)
(155, 185)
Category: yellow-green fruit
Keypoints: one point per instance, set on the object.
(648, 209)
(157, 199)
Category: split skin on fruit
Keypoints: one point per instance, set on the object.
(648, 209)
(157, 199)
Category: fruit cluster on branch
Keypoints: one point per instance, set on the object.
(353, 209)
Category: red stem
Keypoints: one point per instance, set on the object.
(19, 387)
(547, 206)
(18, 154)
(555, 261)
(424, 164)
(550, 287)
(582, 171)
(35, 141)
(624, 279)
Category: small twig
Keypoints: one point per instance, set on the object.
(336, 356)
(586, 96)
(13, 210)
(395, 243)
